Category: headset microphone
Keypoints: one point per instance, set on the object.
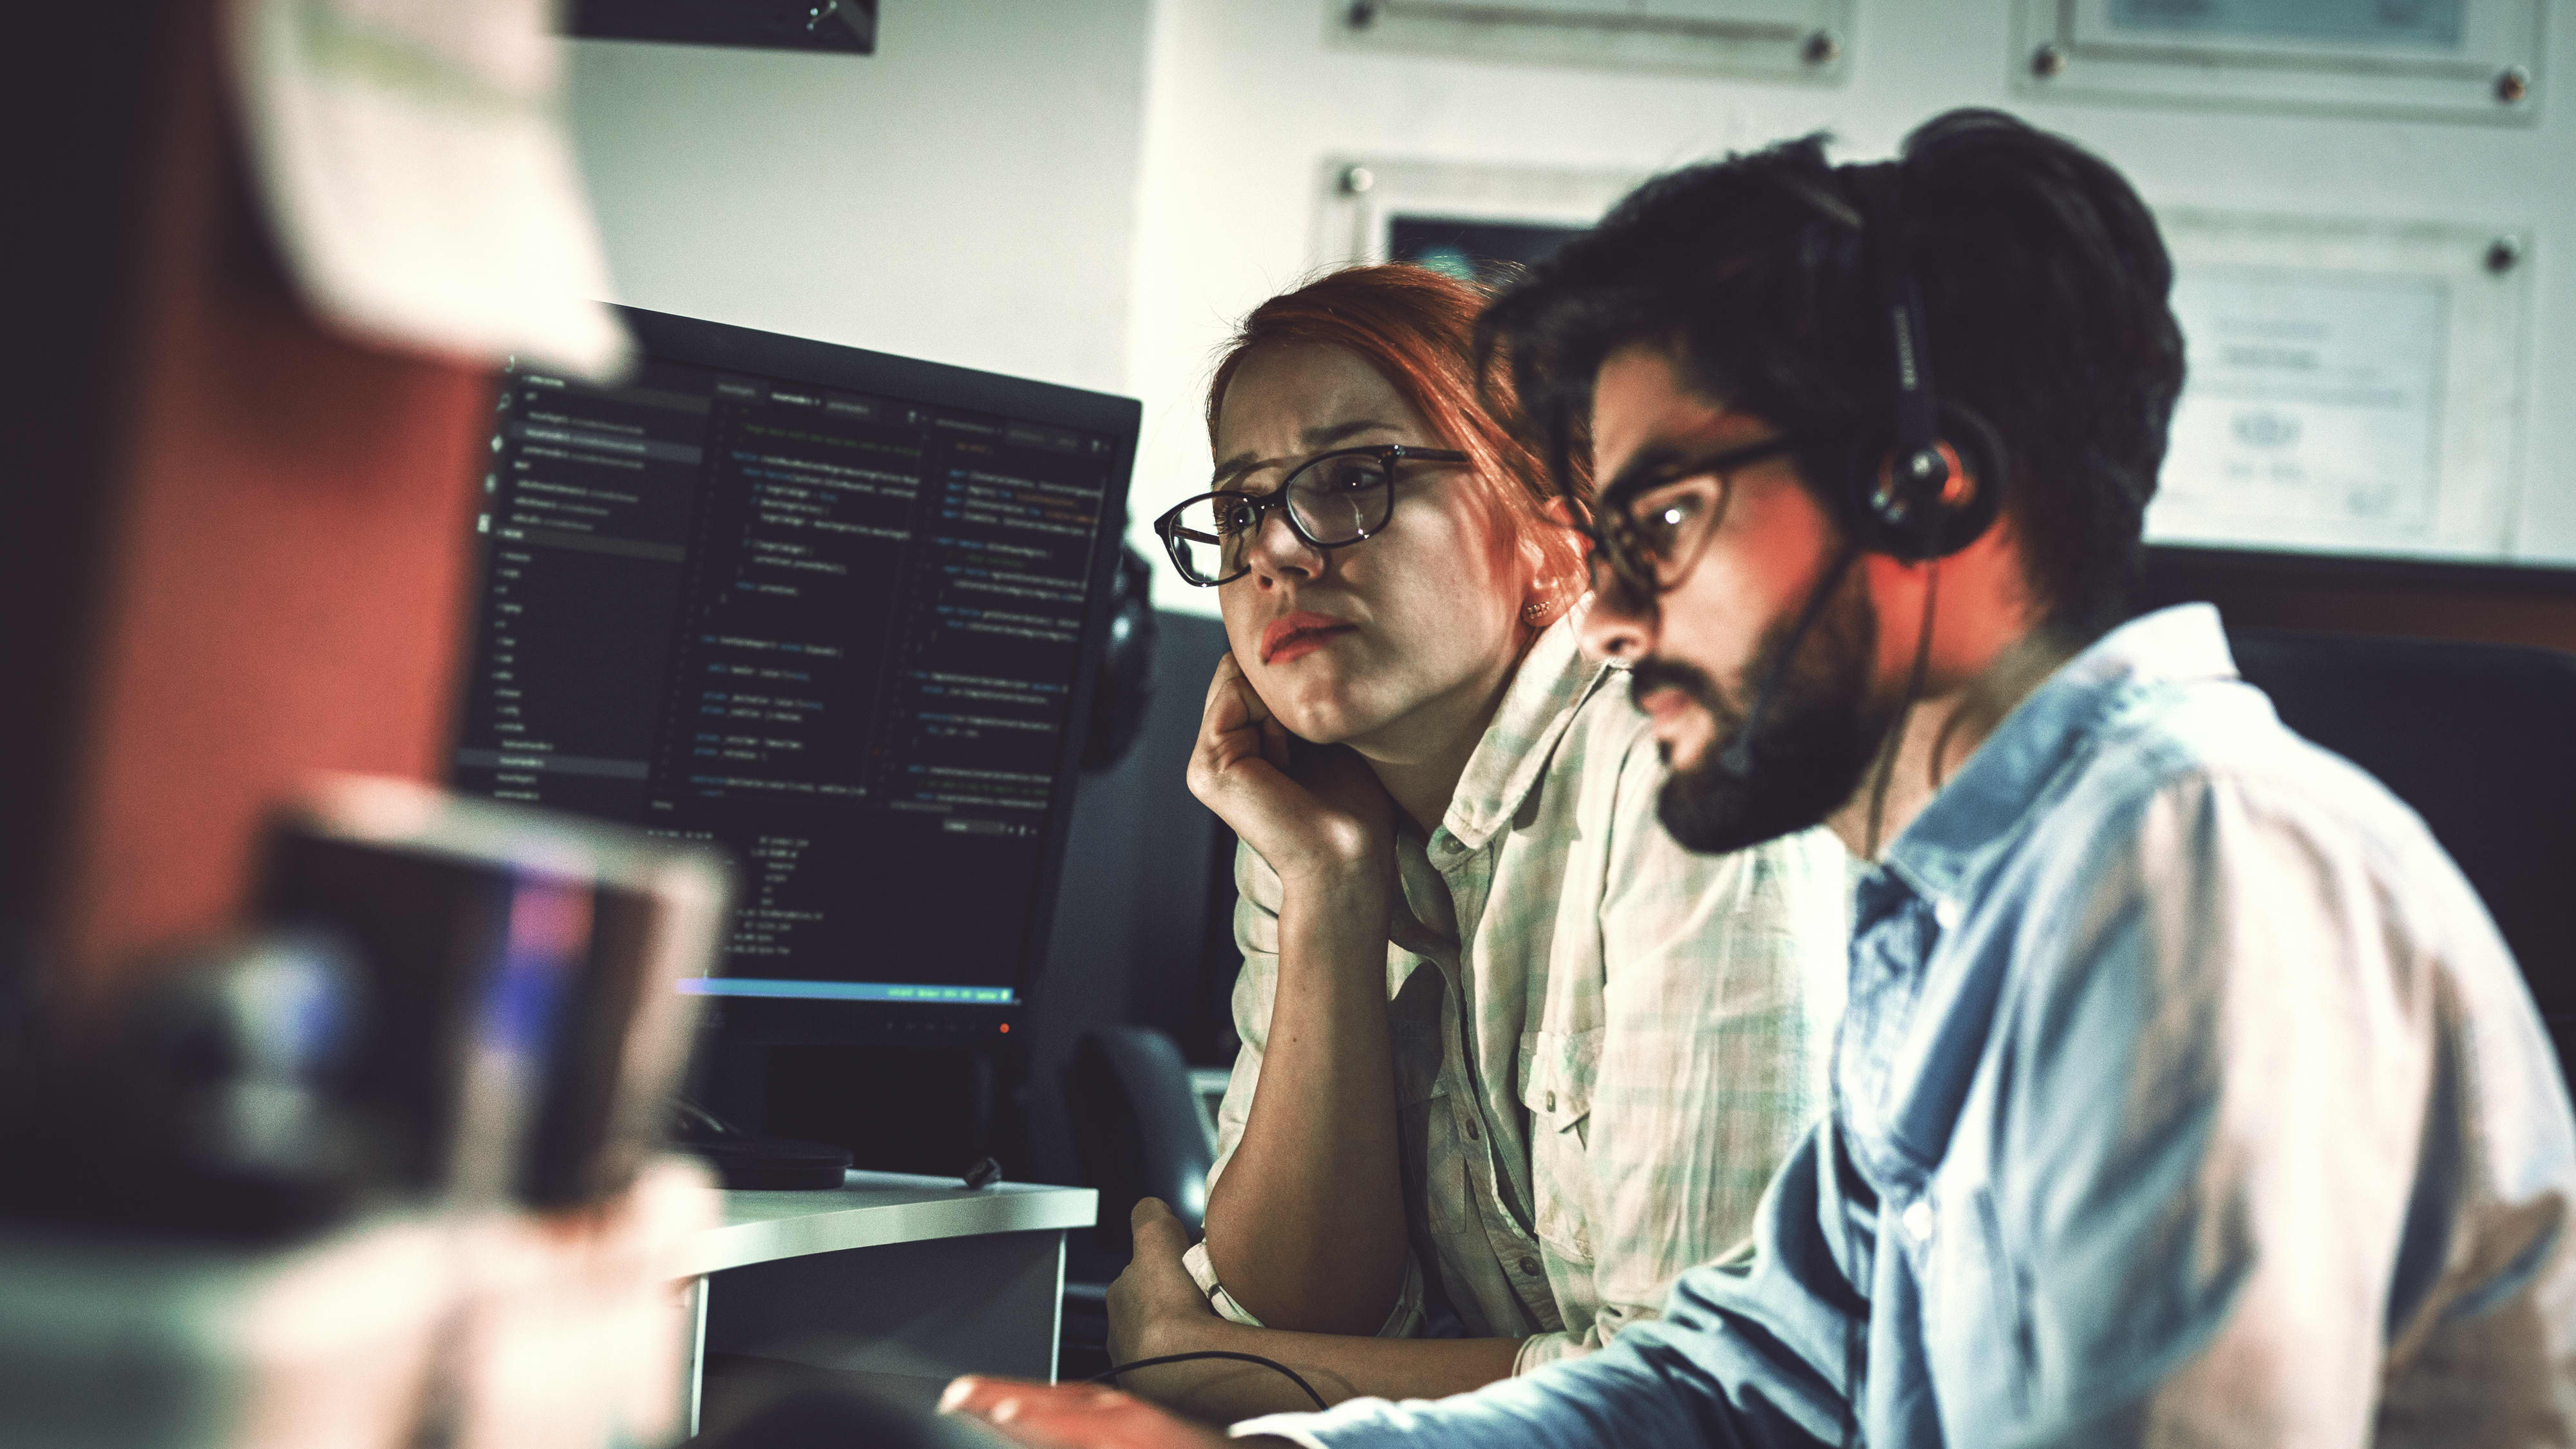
(1737, 758)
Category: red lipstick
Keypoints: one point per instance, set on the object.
(1303, 632)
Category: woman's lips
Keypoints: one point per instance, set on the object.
(1292, 635)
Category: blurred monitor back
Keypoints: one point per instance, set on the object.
(833, 610)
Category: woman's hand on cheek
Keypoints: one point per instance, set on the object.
(1324, 820)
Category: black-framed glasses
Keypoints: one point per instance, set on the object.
(1331, 500)
(1648, 553)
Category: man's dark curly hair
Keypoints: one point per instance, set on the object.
(2046, 312)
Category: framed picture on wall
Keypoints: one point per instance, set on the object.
(2352, 386)
(2469, 60)
(1475, 222)
(1777, 39)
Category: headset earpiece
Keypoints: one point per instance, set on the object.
(1935, 482)
(1932, 502)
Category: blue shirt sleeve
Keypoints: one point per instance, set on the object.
(1749, 1353)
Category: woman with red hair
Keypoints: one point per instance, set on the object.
(1512, 1059)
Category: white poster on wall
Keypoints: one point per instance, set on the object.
(2458, 60)
(2350, 386)
(2314, 407)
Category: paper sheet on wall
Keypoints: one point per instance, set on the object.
(2312, 410)
(419, 179)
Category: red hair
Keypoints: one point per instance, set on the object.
(1417, 327)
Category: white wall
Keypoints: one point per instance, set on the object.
(1090, 191)
(968, 193)
(1249, 99)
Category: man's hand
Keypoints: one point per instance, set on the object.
(1155, 1307)
(1072, 1416)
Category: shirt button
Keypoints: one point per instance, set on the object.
(1551, 1101)
(1472, 1134)
(1530, 1266)
(1918, 1221)
(1946, 913)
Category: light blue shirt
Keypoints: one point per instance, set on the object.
(2185, 1096)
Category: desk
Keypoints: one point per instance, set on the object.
(906, 1281)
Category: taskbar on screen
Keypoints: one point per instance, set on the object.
(777, 989)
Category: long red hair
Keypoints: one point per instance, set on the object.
(1417, 327)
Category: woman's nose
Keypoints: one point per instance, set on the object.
(1277, 551)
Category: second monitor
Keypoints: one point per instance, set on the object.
(830, 609)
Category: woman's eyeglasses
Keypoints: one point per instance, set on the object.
(1648, 550)
(1331, 500)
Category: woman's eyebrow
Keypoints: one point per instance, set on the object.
(1328, 434)
(1317, 438)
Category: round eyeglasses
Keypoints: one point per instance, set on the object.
(1331, 500)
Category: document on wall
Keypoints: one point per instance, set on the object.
(2353, 385)
(2430, 24)
(2312, 408)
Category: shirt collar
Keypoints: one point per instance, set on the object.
(1980, 810)
(1554, 678)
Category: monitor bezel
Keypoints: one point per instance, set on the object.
(726, 347)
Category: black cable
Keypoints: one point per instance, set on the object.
(1913, 693)
(1111, 1377)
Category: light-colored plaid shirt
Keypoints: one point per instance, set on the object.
(1604, 1044)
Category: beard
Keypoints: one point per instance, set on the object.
(1806, 755)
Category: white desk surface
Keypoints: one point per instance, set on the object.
(871, 1209)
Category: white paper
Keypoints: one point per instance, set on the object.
(2311, 409)
(419, 178)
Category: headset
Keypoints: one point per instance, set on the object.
(1897, 493)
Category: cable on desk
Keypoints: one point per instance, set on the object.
(1274, 1365)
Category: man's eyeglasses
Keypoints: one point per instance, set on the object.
(1332, 499)
(1649, 550)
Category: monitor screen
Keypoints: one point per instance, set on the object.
(825, 607)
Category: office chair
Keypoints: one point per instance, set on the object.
(2480, 739)
(1138, 1134)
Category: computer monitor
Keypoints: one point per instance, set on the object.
(829, 608)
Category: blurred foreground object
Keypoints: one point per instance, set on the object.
(383, 1170)
(491, 1329)
(275, 250)
(522, 1027)
(419, 176)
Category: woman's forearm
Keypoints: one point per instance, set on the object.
(1337, 1366)
(1306, 1226)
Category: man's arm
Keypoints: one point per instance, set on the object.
(1745, 1357)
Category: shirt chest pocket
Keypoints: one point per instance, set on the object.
(1558, 1071)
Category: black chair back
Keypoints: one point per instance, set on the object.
(1136, 1126)
(2480, 739)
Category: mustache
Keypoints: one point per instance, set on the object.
(1651, 674)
